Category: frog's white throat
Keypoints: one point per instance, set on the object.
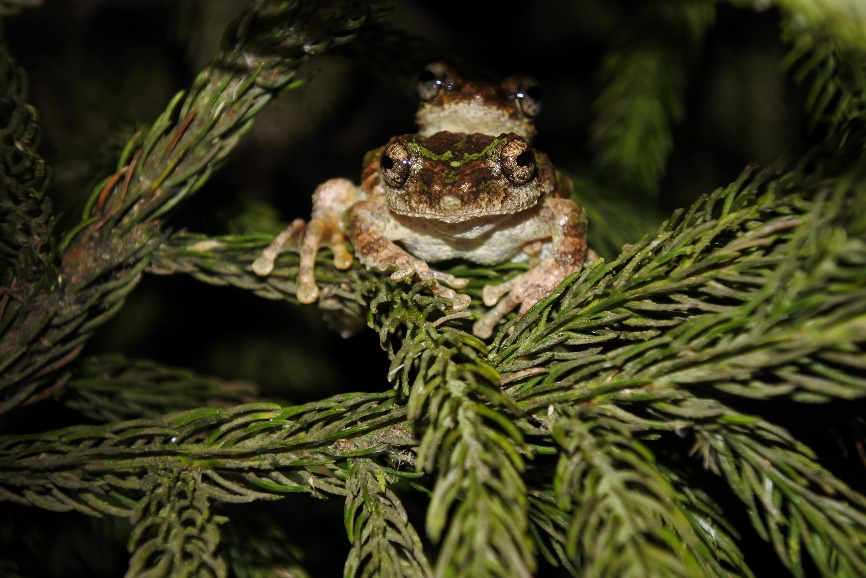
(476, 227)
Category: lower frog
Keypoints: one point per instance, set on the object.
(423, 199)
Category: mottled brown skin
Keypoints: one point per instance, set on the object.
(462, 192)
(455, 177)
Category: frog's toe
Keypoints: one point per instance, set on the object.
(490, 294)
(402, 273)
(337, 243)
(483, 328)
(450, 280)
(459, 301)
(525, 290)
(342, 258)
(307, 292)
(263, 265)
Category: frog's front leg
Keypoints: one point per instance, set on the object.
(567, 254)
(374, 249)
(330, 202)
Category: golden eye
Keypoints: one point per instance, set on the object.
(517, 161)
(394, 164)
(436, 77)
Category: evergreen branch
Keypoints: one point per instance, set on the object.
(792, 501)
(26, 221)
(479, 499)
(260, 55)
(226, 260)
(384, 543)
(826, 44)
(716, 544)
(480, 479)
(623, 520)
(842, 19)
(121, 225)
(27, 246)
(246, 453)
(345, 295)
(111, 388)
(759, 287)
(644, 76)
(785, 490)
(549, 527)
(820, 50)
(472, 444)
(755, 293)
(702, 535)
(174, 532)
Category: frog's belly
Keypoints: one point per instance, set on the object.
(485, 241)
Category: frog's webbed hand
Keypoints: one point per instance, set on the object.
(330, 201)
(374, 249)
(568, 250)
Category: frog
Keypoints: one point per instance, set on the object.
(449, 102)
(469, 185)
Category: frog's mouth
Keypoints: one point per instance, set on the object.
(461, 218)
(464, 230)
(450, 209)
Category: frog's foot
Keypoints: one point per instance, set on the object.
(525, 290)
(264, 263)
(483, 328)
(320, 232)
(408, 266)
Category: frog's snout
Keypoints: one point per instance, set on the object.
(450, 203)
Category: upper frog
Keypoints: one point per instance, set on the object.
(453, 104)
(467, 186)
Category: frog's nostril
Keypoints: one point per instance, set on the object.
(450, 203)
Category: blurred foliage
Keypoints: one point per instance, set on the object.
(685, 406)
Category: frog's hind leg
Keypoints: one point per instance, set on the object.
(330, 201)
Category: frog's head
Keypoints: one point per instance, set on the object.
(456, 177)
(451, 103)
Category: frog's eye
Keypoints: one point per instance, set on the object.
(394, 164)
(434, 78)
(526, 92)
(517, 161)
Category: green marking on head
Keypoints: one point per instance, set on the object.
(416, 149)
